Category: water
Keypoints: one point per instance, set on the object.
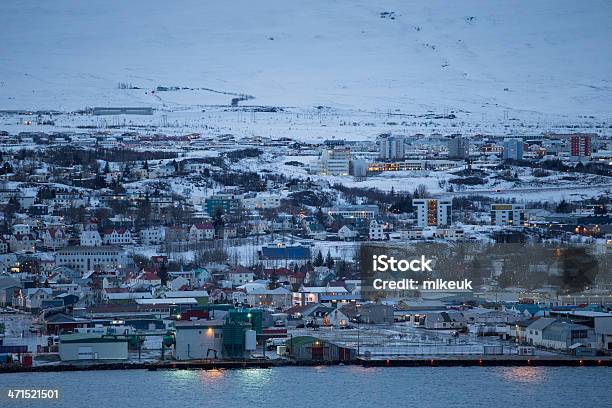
(335, 386)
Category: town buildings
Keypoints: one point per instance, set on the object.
(392, 147)
(459, 147)
(333, 162)
(508, 214)
(433, 212)
(86, 259)
(513, 149)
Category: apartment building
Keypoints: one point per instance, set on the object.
(508, 214)
(433, 212)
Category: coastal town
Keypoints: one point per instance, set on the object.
(343, 203)
(122, 241)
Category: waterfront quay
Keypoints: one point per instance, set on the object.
(440, 361)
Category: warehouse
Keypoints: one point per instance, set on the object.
(91, 346)
(314, 349)
(198, 339)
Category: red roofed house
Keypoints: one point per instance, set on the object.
(282, 274)
(201, 232)
(22, 243)
(148, 276)
(54, 238)
(117, 236)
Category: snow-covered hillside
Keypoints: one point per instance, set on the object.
(548, 58)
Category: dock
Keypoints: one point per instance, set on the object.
(450, 361)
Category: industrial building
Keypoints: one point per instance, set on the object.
(314, 349)
(122, 110)
(92, 346)
(231, 338)
(198, 339)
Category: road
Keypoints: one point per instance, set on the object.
(524, 190)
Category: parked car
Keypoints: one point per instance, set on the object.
(277, 341)
(312, 325)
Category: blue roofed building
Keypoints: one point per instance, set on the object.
(529, 310)
(275, 256)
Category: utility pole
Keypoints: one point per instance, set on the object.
(358, 339)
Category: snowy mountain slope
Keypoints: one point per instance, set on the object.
(544, 57)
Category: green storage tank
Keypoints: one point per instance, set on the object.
(233, 339)
(254, 317)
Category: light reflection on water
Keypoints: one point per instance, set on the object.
(211, 376)
(524, 374)
(327, 386)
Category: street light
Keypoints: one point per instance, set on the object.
(358, 317)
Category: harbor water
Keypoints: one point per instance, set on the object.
(331, 386)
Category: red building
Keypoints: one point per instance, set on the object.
(580, 145)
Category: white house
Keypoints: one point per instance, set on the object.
(91, 238)
(32, 299)
(445, 320)
(312, 294)
(263, 201)
(346, 233)
(22, 229)
(84, 259)
(376, 231)
(261, 296)
(22, 243)
(54, 238)
(201, 232)
(152, 235)
(240, 277)
(117, 236)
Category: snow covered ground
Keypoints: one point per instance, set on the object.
(492, 64)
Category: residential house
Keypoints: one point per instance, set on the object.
(240, 276)
(152, 235)
(54, 238)
(445, 320)
(9, 288)
(91, 238)
(201, 232)
(529, 310)
(148, 276)
(346, 233)
(32, 299)
(4, 246)
(312, 294)
(22, 243)
(376, 232)
(117, 236)
(262, 296)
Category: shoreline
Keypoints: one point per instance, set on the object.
(459, 361)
